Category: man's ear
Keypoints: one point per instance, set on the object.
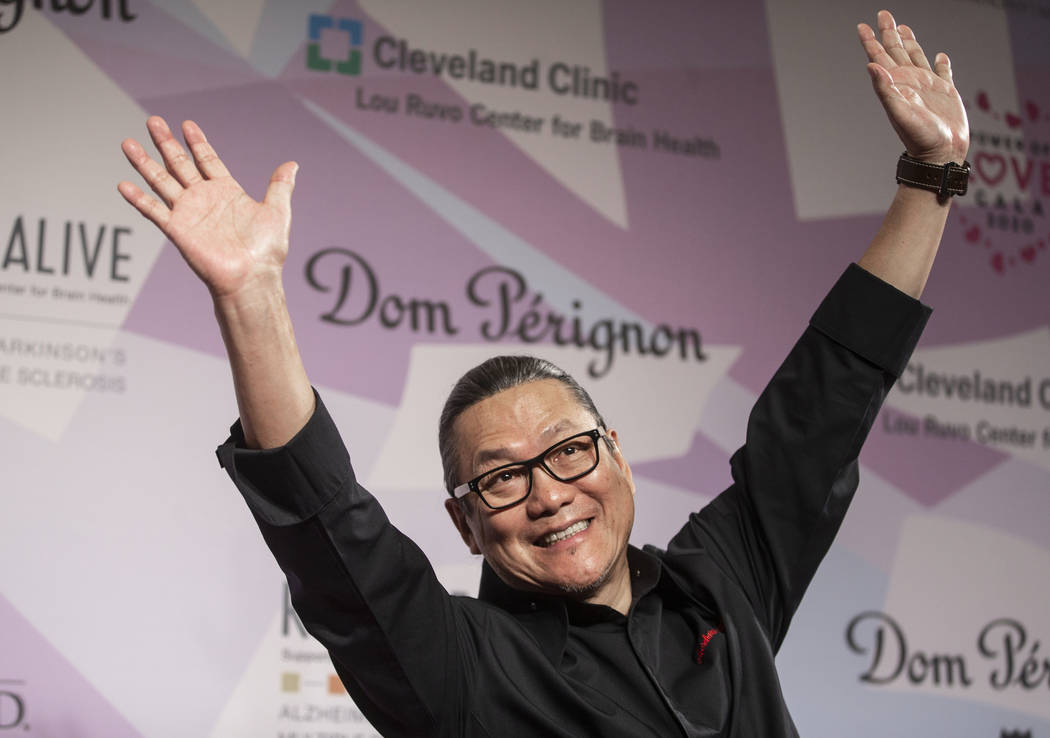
(461, 519)
(618, 457)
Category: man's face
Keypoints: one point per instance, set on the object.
(520, 423)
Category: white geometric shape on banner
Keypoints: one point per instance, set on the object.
(561, 286)
(460, 579)
(661, 509)
(1021, 503)
(73, 254)
(280, 33)
(663, 396)
(236, 19)
(724, 419)
(521, 32)
(128, 520)
(938, 388)
(832, 119)
(954, 587)
(875, 515)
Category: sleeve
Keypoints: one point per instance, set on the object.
(796, 474)
(360, 586)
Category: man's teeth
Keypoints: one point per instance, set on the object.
(552, 538)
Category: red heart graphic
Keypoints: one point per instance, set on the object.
(1012, 120)
(982, 100)
(1028, 253)
(973, 233)
(996, 164)
(1032, 109)
(997, 262)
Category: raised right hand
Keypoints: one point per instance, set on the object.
(232, 242)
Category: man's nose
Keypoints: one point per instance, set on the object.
(548, 494)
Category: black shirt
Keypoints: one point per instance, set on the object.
(695, 654)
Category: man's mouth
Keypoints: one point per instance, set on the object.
(551, 538)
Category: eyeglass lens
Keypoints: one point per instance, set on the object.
(570, 459)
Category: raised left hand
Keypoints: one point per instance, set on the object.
(922, 103)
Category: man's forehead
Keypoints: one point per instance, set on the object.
(535, 412)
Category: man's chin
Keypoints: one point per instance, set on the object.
(578, 584)
(584, 588)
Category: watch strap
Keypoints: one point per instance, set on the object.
(944, 179)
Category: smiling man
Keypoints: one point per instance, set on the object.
(574, 632)
(559, 522)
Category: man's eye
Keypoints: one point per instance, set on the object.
(574, 447)
(501, 477)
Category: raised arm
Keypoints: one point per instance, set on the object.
(237, 247)
(360, 586)
(926, 111)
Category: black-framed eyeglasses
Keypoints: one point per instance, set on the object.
(509, 484)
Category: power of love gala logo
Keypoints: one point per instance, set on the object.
(1010, 182)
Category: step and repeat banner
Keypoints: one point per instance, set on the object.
(654, 195)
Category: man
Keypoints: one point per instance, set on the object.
(574, 632)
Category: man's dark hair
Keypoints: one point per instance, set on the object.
(492, 377)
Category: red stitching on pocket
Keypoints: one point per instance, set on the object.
(704, 640)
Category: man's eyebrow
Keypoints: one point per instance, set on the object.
(493, 454)
(554, 431)
(502, 453)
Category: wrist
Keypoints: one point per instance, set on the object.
(259, 298)
(257, 288)
(945, 179)
(956, 152)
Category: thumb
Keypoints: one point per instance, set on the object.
(282, 182)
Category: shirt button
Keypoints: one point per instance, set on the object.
(532, 606)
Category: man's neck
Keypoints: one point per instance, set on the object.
(616, 591)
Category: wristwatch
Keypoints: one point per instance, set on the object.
(944, 179)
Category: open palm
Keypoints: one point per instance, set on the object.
(921, 101)
(229, 240)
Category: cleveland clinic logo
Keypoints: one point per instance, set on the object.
(315, 58)
(337, 44)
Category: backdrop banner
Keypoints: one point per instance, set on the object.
(655, 196)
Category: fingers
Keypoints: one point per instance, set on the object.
(156, 176)
(899, 47)
(176, 160)
(282, 182)
(942, 66)
(891, 38)
(208, 162)
(876, 53)
(148, 206)
(180, 171)
(881, 80)
(911, 45)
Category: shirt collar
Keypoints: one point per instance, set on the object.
(546, 617)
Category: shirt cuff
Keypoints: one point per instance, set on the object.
(872, 318)
(290, 483)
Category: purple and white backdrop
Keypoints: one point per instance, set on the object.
(655, 196)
